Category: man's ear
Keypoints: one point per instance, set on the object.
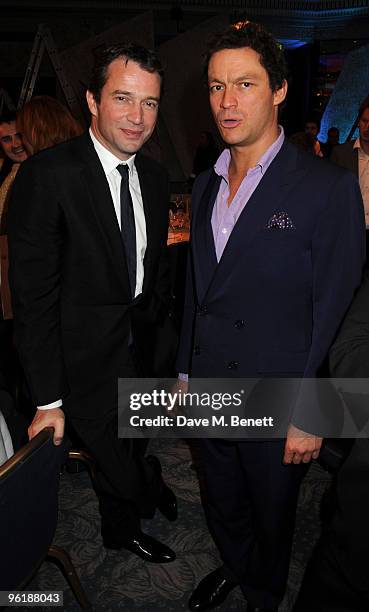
(91, 103)
(280, 94)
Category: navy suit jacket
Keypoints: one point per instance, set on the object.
(272, 305)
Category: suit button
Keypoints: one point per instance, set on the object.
(196, 350)
(239, 324)
(233, 365)
(202, 310)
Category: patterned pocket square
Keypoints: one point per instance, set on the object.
(280, 220)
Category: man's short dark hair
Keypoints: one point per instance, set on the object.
(145, 58)
(7, 117)
(363, 106)
(256, 37)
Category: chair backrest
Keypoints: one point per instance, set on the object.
(29, 483)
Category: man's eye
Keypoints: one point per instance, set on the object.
(6, 139)
(121, 98)
(214, 88)
(151, 104)
(245, 84)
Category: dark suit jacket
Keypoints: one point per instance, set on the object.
(346, 156)
(347, 531)
(273, 304)
(68, 273)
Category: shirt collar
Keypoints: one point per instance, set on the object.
(357, 145)
(108, 160)
(222, 163)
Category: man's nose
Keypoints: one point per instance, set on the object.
(16, 141)
(135, 114)
(228, 99)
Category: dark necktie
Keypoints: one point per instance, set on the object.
(127, 226)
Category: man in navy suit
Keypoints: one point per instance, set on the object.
(277, 247)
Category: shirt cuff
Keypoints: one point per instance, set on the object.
(57, 404)
(183, 376)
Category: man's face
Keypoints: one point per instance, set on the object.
(311, 128)
(125, 117)
(364, 126)
(243, 105)
(11, 142)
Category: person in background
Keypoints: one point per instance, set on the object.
(304, 141)
(45, 122)
(11, 142)
(206, 153)
(14, 154)
(337, 577)
(354, 155)
(312, 128)
(333, 139)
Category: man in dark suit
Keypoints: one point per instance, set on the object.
(277, 245)
(337, 576)
(90, 283)
(354, 155)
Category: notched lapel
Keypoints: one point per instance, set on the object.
(149, 193)
(203, 240)
(271, 195)
(98, 189)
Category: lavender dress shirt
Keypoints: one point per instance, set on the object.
(225, 217)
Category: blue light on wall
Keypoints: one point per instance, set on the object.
(350, 90)
(291, 43)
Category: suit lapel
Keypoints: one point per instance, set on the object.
(97, 186)
(270, 195)
(152, 208)
(203, 242)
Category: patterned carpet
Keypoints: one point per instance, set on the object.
(121, 581)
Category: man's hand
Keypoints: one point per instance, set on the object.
(54, 417)
(180, 386)
(301, 446)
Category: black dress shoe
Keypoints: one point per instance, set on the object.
(167, 501)
(143, 546)
(211, 592)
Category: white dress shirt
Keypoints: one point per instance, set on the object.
(109, 163)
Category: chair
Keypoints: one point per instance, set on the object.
(29, 483)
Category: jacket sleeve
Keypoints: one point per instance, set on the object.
(338, 255)
(36, 235)
(183, 362)
(349, 355)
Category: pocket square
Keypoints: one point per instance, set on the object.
(280, 220)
